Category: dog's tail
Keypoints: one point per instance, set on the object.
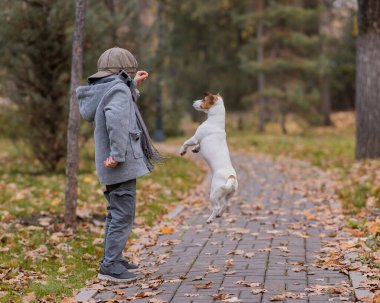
(231, 184)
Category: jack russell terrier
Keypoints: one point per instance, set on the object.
(210, 140)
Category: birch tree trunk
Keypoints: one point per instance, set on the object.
(74, 117)
(368, 80)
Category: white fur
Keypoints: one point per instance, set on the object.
(210, 140)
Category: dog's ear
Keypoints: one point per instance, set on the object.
(205, 94)
(214, 98)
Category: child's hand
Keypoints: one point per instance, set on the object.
(110, 163)
(140, 77)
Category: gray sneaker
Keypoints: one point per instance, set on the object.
(129, 265)
(115, 272)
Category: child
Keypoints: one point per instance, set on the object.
(123, 150)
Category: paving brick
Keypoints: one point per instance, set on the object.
(261, 183)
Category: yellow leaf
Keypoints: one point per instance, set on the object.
(166, 230)
(310, 216)
(87, 180)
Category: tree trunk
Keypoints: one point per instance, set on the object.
(324, 30)
(74, 117)
(111, 5)
(326, 102)
(284, 130)
(260, 59)
(159, 134)
(240, 124)
(368, 81)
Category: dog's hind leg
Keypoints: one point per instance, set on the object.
(214, 212)
(228, 191)
(226, 203)
(215, 201)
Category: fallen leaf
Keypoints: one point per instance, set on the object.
(197, 278)
(277, 298)
(45, 221)
(119, 291)
(220, 296)
(29, 297)
(97, 241)
(376, 298)
(249, 255)
(282, 248)
(144, 294)
(257, 291)
(288, 295)
(166, 230)
(229, 263)
(310, 216)
(236, 252)
(170, 242)
(213, 269)
(203, 286)
(374, 228)
(248, 284)
(238, 230)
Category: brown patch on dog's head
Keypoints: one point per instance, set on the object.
(209, 100)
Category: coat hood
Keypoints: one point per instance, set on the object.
(90, 96)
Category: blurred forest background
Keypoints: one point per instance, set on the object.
(273, 59)
(293, 74)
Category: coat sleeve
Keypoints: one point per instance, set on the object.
(117, 110)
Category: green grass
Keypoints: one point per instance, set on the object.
(324, 149)
(52, 266)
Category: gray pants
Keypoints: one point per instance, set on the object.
(121, 209)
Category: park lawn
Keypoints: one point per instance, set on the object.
(38, 257)
(328, 149)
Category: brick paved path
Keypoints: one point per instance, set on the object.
(266, 235)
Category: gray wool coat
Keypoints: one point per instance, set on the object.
(109, 105)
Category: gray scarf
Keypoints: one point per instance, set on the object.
(151, 153)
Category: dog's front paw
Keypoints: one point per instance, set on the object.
(182, 151)
(196, 149)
